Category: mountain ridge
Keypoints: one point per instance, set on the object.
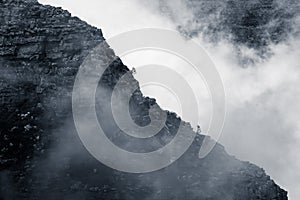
(41, 49)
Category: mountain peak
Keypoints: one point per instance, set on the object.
(41, 156)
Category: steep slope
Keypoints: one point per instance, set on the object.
(41, 49)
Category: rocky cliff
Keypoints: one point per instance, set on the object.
(41, 156)
(255, 24)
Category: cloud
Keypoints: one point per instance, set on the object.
(262, 98)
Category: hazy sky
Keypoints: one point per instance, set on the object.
(262, 124)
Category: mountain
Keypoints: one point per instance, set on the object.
(250, 26)
(255, 24)
(41, 155)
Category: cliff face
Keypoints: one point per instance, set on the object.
(41, 50)
(255, 24)
(41, 157)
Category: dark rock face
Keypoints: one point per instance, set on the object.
(254, 24)
(41, 49)
(41, 156)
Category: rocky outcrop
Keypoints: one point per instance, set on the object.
(41, 50)
(252, 24)
(255, 24)
(41, 156)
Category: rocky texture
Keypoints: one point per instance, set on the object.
(41, 157)
(253, 24)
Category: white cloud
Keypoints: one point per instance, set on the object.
(263, 100)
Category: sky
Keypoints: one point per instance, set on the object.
(262, 124)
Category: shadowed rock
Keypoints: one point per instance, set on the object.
(41, 156)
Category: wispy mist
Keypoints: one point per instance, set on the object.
(263, 94)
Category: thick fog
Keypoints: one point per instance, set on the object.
(261, 81)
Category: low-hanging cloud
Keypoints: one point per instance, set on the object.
(262, 95)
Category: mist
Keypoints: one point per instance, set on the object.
(261, 82)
